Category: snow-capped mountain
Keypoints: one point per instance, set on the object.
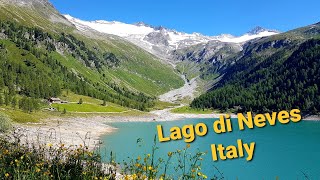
(159, 40)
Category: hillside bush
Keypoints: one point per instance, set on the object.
(5, 123)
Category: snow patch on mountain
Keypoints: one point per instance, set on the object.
(159, 40)
(246, 37)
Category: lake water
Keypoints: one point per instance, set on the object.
(284, 151)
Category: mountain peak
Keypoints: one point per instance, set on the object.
(259, 29)
(141, 23)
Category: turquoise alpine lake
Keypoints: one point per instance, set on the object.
(290, 151)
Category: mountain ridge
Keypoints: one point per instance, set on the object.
(160, 40)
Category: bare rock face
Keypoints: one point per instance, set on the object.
(158, 38)
(213, 51)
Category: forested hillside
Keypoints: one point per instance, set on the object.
(32, 67)
(42, 54)
(289, 78)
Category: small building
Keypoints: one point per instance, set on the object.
(54, 100)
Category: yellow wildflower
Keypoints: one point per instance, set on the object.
(204, 176)
(50, 145)
(38, 170)
(7, 175)
(169, 154)
(126, 177)
(188, 145)
(150, 168)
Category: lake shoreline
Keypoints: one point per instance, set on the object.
(88, 131)
(73, 131)
(312, 118)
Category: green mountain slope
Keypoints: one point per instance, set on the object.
(42, 53)
(279, 72)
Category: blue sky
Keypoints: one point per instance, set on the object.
(210, 17)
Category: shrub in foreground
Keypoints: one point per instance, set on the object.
(5, 123)
(47, 161)
(180, 164)
(30, 161)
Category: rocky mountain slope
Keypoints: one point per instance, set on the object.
(193, 55)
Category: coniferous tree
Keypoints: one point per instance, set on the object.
(1, 100)
(80, 101)
(6, 99)
(14, 102)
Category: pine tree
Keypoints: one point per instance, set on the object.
(6, 99)
(14, 102)
(1, 100)
(104, 103)
(80, 101)
(64, 111)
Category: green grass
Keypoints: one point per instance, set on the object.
(90, 104)
(72, 97)
(91, 107)
(159, 105)
(188, 110)
(22, 117)
(74, 107)
(19, 116)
